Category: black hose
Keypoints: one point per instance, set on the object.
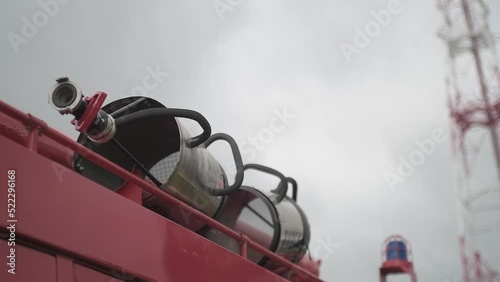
(238, 179)
(166, 112)
(127, 107)
(282, 188)
(294, 188)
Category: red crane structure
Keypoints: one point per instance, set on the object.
(111, 206)
(396, 258)
(473, 90)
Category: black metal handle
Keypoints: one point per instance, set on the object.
(282, 188)
(182, 113)
(200, 119)
(294, 188)
(238, 179)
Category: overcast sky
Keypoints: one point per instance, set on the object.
(346, 120)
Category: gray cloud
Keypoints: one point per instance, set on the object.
(352, 121)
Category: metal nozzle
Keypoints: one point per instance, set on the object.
(66, 97)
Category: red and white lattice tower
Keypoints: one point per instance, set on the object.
(473, 86)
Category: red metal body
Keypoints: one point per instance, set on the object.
(69, 228)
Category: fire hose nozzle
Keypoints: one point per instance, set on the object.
(67, 98)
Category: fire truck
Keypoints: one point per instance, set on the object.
(138, 198)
